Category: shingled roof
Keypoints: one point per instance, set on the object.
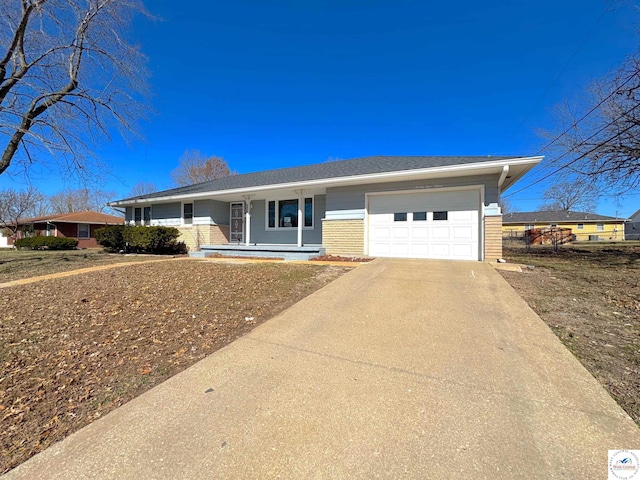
(320, 171)
(554, 216)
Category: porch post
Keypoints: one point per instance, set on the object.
(247, 221)
(300, 216)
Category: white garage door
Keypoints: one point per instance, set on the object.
(425, 225)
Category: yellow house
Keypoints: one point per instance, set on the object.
(585, 226)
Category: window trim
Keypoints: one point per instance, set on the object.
(530, 226)
(88, 231)
(600, 227)
(277, 213)
(580, 226)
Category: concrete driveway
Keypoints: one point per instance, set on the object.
(399, 369)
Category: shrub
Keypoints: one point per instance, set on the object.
(111, 237)
(158, 240)
(50, 243)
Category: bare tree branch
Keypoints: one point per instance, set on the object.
(17, 205)
(67, 77)
(194, 167)
(577, 195)
(80, 200)
(603, 146)
(142, 188)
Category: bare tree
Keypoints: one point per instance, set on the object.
(17, 205)
(600, 140)
(194, 167)
(506, 206)
(577, 195)
(80, 200)
(68, 75)
(142, 188)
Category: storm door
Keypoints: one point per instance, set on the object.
(237, 222)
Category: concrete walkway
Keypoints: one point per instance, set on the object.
(398, 369)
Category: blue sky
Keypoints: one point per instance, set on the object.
(269, 84)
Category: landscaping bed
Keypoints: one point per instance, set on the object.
(75, 348)
(590, 298)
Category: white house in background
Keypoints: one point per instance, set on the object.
(382, 206)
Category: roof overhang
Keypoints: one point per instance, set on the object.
(509, 170)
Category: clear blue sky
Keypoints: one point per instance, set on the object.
(269, 84)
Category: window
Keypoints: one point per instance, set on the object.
(284, 213)
(288, 213)
(600, 227)
(187, 213)
(147, 215)
(529, 226)
(553, 225)
(83, 230)
(399, 217)
(272, 215)
(50, 230)
(308, 212)
(440, 215)
(419, 216)
(581, 226)
(137, 216)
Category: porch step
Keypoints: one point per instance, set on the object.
(287, 252)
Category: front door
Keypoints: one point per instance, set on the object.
(237, 222)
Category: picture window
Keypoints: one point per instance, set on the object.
(284, 213)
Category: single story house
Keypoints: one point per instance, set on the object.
(632, 227)
(78, 225)
(381, 206)
(584, 226)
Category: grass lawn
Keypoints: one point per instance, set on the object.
(72, 349)
(16, 264)
(590, 297)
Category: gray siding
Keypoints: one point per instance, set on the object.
(353, 197)
(211, 211)
(166, 214)
(259, 233)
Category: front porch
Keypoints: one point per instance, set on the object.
(286, 252)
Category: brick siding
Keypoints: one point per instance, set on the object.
(197, 235)
(492, 238)
(343, 237)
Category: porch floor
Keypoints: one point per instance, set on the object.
(287, 252)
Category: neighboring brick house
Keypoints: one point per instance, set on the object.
(78, 225)
(632, 227)
(584, 226)
(391, 206)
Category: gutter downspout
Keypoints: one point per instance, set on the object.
(503, 176)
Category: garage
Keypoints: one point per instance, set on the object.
(439, 225)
